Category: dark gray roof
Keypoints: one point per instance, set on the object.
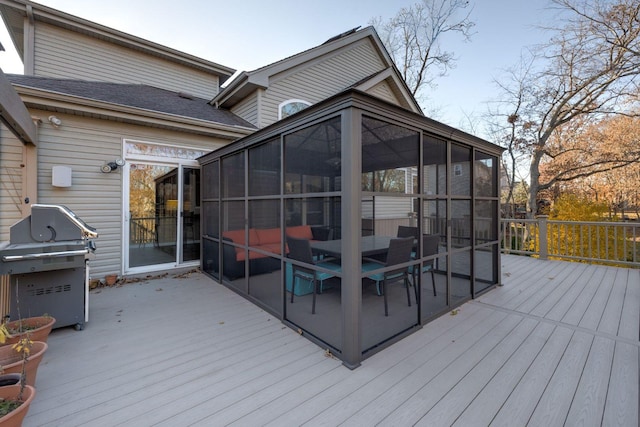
(135, 95)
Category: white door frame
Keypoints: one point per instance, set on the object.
(156, 160)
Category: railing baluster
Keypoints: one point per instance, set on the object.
(606, 242)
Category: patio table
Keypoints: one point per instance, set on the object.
(371, 245)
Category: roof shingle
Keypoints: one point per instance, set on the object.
(134, 95)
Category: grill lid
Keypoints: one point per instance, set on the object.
(50, 223)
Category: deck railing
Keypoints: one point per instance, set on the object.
(142, 231)
(616, 243)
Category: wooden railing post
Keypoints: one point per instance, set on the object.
(542, 236)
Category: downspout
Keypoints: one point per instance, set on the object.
(29, 42)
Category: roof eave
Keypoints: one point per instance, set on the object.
(241, 87)
(55, 101)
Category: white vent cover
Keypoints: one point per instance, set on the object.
(61, 176)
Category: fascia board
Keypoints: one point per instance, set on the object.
(237, 90)
(397, 85)
(261, 76)
(14, 114)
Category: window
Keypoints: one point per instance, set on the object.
(291, 106)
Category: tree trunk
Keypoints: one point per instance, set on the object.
(534, 187)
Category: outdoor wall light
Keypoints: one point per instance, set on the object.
(56, 122)
(111, 166)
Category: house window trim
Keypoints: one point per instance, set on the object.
(290, 101)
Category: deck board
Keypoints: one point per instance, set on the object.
(551, 348)
(589, 400)
(597, 307)
(525, 395)
(539, 290)
(401, 396)
(610, 322)
(575, 305)
(488, 402)
(553, 406)
(621, 408)
(469, 388)
(630, 318)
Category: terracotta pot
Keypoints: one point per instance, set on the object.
(38, 329)
(15, 417)
(110, 279)
(11, 360)
(9, 379)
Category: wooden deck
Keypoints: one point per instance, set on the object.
(556, 345)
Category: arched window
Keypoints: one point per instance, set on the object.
(291, 106)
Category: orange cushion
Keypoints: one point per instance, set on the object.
(254, 240)
(268, 236)
(300, 232)
(237, 236)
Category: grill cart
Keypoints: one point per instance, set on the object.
(47, 260)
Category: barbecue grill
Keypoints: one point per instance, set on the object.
(47, 260)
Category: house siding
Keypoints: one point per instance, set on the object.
(11, 152)
(383, 91)
(387, 207)
(248, 109)
(70, 55)
(84, 144)
(317, 81)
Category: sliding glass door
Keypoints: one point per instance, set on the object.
(161, 207)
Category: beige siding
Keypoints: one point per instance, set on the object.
(321, 80)
(248, 109)
(66, 54)
(10, 181)
(84, 145)
(383, 90)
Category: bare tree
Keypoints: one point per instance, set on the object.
(414, 39)
(590, 71)
(508, 128)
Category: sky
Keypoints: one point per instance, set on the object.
(257, 33)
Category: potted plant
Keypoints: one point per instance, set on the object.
(37, 327)
(13, 360)
(16, 399)
(14, 404)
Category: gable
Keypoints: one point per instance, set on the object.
(351, 60)
(383, 90)
(55, 44)
(313, 82)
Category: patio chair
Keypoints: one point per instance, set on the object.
(430, 244)
(399, 252)
(300, 250)
(404, 231)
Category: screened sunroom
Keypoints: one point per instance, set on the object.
(354, 221)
